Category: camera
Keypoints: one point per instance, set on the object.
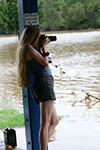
(43, 36)
(52, 38)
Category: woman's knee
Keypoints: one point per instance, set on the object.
(54, 118)
(54, 122)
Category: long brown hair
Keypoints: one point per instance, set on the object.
(29, 35)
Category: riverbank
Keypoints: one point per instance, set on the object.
(53, 32)
(72, 31)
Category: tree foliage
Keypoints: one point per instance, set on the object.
(54, 15)
(8, 17)
(69, 14)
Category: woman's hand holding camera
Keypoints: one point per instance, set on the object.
(44, 43)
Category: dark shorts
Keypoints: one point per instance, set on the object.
(43, 89)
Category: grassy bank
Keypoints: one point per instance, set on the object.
(13, 118)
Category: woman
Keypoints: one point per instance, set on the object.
(34, 59)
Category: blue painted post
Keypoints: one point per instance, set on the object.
(28, 15)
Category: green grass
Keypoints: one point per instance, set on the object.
(11, 118)
(60, 117)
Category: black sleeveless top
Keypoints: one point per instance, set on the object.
(36, 68)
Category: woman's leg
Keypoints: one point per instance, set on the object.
(47, 110)
(53, 122)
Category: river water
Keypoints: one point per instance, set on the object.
(76, 66)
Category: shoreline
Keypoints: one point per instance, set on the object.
(73, 31)
(51, 32)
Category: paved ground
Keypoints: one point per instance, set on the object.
(80, 135)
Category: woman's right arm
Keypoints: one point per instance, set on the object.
(43, 60)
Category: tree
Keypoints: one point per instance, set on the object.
(93, 13)
(76, 18)
(52, 15)
(9, 17)
(41, 11)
